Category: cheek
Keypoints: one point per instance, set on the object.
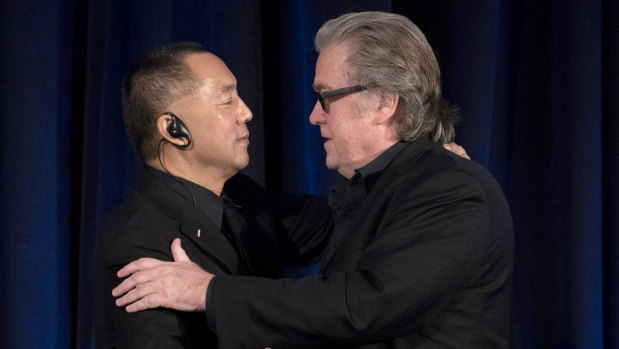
(343, 139)
(342, 150)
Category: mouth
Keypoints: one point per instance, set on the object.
(326, 142)
(243, 139)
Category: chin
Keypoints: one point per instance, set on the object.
(333, 167)
(331, 163)
(242, 164)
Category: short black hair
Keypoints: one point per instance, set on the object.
(156, 80)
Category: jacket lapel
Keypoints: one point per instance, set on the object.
(194, 225)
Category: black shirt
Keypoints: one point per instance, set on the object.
(346, 196)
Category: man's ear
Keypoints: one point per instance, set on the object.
(387, 107)
(163, 123)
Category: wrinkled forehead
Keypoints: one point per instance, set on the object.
(332, 68)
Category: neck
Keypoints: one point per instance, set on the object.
(371, 155)
(205, 176)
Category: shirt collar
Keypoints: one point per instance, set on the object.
(204, 200)
(381, 162)
(362, 179)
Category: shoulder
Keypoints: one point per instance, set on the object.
(438, 174)
(479, 176)
(432, 168)
(134, 229)
(437, 164)
(445, 177)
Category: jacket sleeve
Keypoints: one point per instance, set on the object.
(307, 223)
(153, 328)
(303, 222)
(427, 246)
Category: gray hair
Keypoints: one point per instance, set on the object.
(389, 53)
(158, 79)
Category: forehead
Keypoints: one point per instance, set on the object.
(211, 70)
(332, 70)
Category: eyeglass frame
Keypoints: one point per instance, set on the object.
(337, 92)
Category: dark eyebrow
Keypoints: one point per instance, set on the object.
(317, 87)
(228, 88)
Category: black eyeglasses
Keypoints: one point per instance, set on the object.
(338, 92)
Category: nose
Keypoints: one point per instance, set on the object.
(245, 114)
(317, 117)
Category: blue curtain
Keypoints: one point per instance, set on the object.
(536, 81)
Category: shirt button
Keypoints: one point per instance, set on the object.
(199, 230)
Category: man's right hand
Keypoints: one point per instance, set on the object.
(151, 283)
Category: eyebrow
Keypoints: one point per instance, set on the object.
(317, 87)
(228, 88)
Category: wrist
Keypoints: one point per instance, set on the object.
(201, 306)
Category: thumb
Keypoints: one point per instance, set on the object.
(177, 251)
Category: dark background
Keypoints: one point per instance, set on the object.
(536, 81)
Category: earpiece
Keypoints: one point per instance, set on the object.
(177, 129)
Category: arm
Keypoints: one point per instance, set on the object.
(151, 283)
(154, 328)
(429, 248)
(302, 222)
(308, 219)
(426, 252)
(307, 223)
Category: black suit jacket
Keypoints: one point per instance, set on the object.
(145, 225)
(426, 264)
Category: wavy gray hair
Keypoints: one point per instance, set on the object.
(390, 53)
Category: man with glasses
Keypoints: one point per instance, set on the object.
(422, 251)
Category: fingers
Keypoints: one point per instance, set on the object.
(151, 283)
(464, 154)
(458, 150)
(137, 265)
(148, 302)
(178, 252)
(139, 272)
(453, 147)
(127, 285)
(139, 298)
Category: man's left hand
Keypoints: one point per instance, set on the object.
(151, 283)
